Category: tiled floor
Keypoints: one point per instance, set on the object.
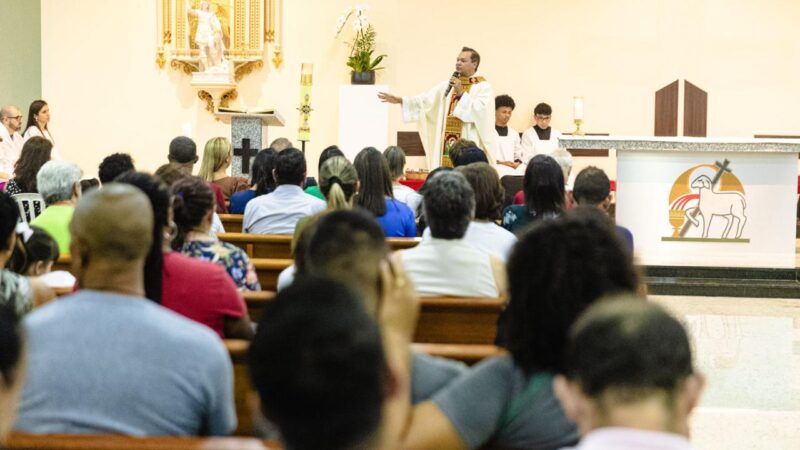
(749, 350)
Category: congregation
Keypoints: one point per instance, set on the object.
(137, 345)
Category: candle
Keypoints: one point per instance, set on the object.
(578, 108)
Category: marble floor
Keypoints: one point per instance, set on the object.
(749, 350)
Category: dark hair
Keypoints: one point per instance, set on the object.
(555, 271)
(329, 152)
(89, 184)
(193, 199)
(458, 146)
(11, 338)
(170, 173)
(182, 150)
(396, 158)
(40, 246)
(33, 111)
(504, 100)
(261, 175)
(347, 245)
(9, 215)
(317, 363)
(468, 156)
(591, 186)
(449, 205)
(543, 186)
(376, 182)
(543, 109)
(489, 193)
(113, 165)
(290, 167)
(476, 58)
(158, 194)
(35, 152)
(423, 223)
(631, 345)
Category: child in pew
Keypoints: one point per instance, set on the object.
(35, 253)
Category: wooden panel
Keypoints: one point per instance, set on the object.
(666, 113)
(411, 143)
(279, 245)
(24, 441)
(695, 110)
(232, 222)
(578, 152)
(268, 271)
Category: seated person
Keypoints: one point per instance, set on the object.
(483, 232)
(446, 264)
(59, 183)
(17, 291)
(557, 269)
(326, 154)
(628, 378)
(217, 158)
(35, 153)
(508, 159)
(89, 184)
(396, 158)
(279, 211)
(113, 166)
(199, 290)
(455, 150)
(125, 365)
(263, 182)
(183, 154)
(375, 195)
(193, 208)
(34, 255)
(593, 188)
(470, 155)
(170, 173)
(12, 369)
(280, 144)
(541, 138)
(543, 186)
(564, 159)
(318, 349)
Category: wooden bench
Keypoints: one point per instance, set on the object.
(280, 245)
(268, 270)
(232, 222)
(25, 441)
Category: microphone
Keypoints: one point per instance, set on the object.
(450, 87)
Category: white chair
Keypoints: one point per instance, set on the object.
(30, 205)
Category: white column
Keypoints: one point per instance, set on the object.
(363, 119)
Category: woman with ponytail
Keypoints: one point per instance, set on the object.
(338, 181)
(193, 208)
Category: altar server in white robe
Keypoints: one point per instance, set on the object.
(10, 140)
(541, 138)
(38, 119)
(508, 159)
(464, 111)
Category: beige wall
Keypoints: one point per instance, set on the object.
(107, 94)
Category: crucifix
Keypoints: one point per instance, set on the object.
(246, 153)
(721, 169)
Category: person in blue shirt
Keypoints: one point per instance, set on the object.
(375, 195)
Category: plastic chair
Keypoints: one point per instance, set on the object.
(30, 206)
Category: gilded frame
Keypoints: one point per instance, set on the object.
(251, 25)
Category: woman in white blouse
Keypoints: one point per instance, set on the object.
(38, 118)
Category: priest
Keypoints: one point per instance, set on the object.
(460, 108)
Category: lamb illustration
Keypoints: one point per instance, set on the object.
(730, 205)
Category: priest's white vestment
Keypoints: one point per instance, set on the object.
(475, 109)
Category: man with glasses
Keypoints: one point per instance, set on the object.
(541, 138)
(10, 140)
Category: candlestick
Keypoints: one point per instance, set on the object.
(577, 108)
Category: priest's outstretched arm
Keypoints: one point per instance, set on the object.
(416, 106)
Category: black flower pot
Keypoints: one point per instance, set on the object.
(362, 77)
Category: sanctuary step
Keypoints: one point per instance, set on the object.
(723, 281)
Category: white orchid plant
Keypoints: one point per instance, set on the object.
(363, 46)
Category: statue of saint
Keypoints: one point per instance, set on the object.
(209, 39)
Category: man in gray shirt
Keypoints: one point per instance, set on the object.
(107, 360)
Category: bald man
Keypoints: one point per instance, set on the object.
(10, 139)
(106, 359)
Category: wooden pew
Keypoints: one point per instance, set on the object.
(232, 222)
(25, 441)
(268, 270)
(279, 245)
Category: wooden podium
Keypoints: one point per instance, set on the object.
(248, 136)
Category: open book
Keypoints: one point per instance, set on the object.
(252, 110)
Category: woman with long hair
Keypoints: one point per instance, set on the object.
(396, 158)
(195, 289)
(375, 195)
(193, 209)
(217, 157)
(543, 186)
(261, 181)
(38, 119)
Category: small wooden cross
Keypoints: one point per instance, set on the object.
(246, 153)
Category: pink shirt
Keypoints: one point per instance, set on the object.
(201, 291)
(617, 438)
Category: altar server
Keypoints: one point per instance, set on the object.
(541, 138)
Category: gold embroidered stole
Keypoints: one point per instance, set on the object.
(452, 124)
